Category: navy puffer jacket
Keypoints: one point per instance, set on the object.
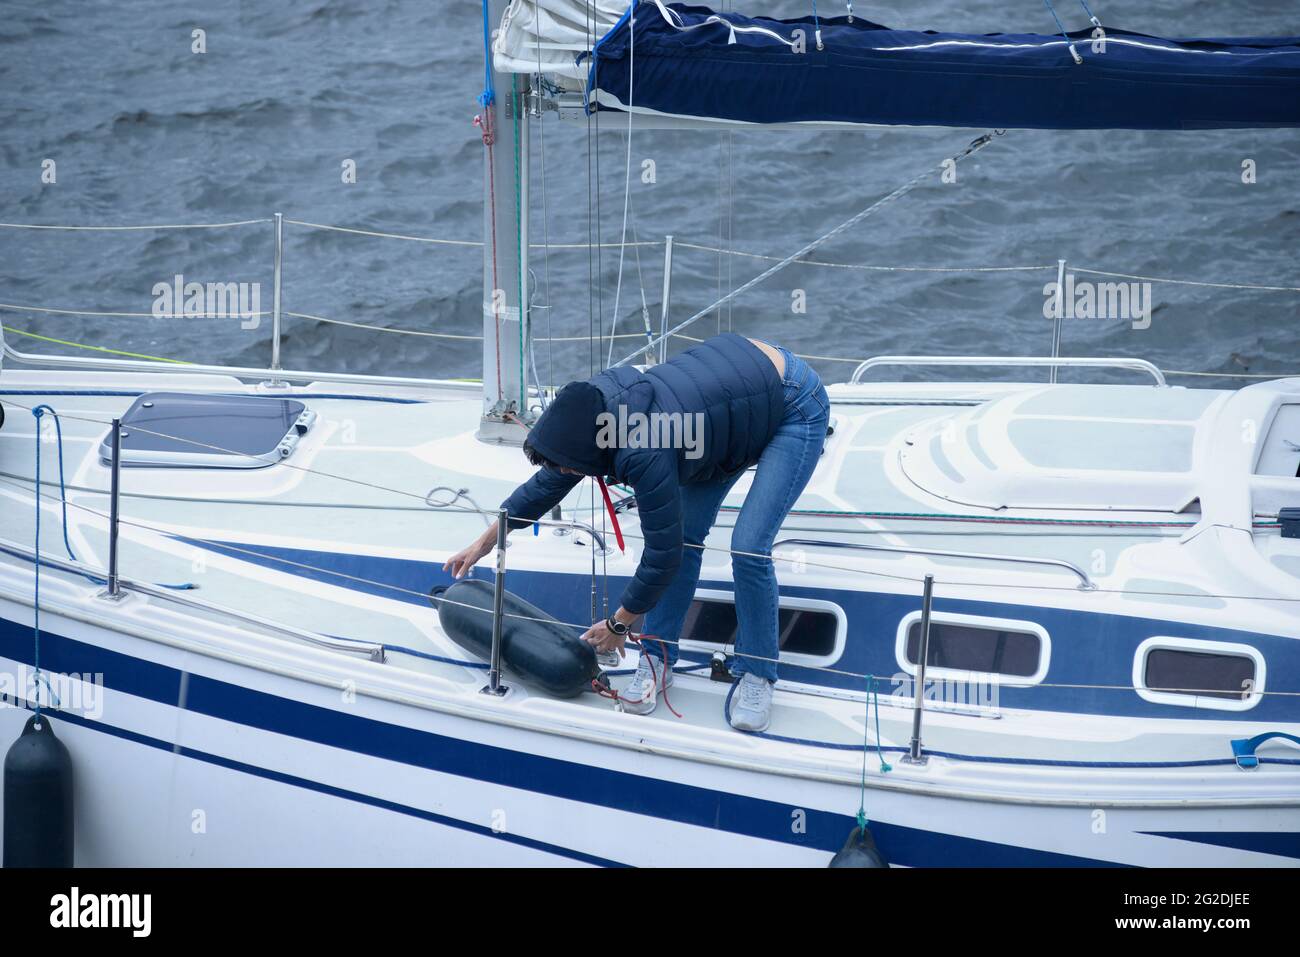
(728, 380)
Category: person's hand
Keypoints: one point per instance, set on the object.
(460, 564)
(603, 639)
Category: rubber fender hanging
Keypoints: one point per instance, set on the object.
(38, 799)
(534, 646)
(859, 851)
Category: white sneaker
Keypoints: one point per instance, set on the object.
(641, 694)
(751, 708)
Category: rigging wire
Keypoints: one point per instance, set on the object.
(521, 246)
(546, 252)
(1074, 52)
(975, 146)
(627, 174)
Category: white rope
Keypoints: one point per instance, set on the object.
(820, 262)
(138, 315)
(1184, 282)
(384, 235)
(702, 247)
(242, 222)
(453, 336)
(458, 242)
(373, 328)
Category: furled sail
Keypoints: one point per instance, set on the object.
(691, 61)
(553, 37)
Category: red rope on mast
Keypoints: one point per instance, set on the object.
(484, 123)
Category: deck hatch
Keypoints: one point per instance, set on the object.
(183, 430)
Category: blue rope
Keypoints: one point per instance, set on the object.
(1064, 33)
(36, 601)
(489, 95)
(38, 412)
(1088, 11)
(1059, 25)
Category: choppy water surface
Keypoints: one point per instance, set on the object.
(144, 131)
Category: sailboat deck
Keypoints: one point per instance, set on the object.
(340, 541)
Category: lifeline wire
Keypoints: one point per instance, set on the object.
(261, 556)
(911, 579)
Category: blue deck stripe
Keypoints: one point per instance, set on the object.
(409, 580)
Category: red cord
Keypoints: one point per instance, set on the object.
(613, 516)
(663, 680)
(484, 123)
(613, 695)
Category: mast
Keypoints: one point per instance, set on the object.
(503, 121)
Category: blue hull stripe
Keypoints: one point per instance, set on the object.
(666, 800)
(1281, 843)
(291, 779)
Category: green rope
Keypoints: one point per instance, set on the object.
(519, 244)
(885, 766)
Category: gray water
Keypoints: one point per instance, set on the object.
(142, 130)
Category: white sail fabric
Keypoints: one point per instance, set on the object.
(546, 36)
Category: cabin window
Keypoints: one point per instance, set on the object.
(1195, 673)
(1014, 651)
(806, 628)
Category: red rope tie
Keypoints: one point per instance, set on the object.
(484, 123)
(613, 516)
(661, 679)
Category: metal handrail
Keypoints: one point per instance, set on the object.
(1135, 365)
(372, 650)
(1085, 583)
(569, 523)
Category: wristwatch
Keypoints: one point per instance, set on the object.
(617, 627)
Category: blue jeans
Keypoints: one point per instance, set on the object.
(784, 469)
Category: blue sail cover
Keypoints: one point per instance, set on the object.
(690, 61)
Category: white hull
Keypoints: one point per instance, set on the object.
(411, 784)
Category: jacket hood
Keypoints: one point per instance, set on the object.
(566, 432)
